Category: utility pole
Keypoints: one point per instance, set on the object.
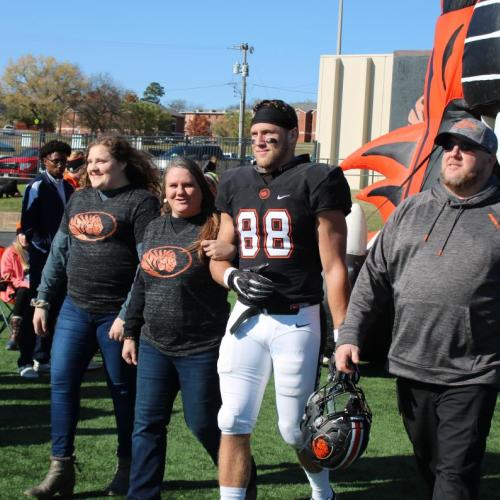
(339, 29)
(243, 70)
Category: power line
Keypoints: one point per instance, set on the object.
(198, 88)
(131, 43)
(282, 88)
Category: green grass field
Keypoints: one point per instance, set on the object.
(385, 472)
(13, 204)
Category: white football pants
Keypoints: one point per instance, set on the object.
(286, 344)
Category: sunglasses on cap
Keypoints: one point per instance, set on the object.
(449, 143)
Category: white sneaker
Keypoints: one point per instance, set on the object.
(27, 371)
(41, 367)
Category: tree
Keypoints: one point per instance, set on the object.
(198, 125)
(40, 88)
(153, 93)
(307, 104)
(178, 105)
(146, 118)
(100, 106)
(228, 125)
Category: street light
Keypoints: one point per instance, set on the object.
(339, 28)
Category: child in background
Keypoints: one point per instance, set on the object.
(14, 269)
(74, 168)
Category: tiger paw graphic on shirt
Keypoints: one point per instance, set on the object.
(92, 226)
(166, 262)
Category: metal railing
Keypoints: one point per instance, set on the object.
(19, 152)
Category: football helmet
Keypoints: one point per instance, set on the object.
(337, 420)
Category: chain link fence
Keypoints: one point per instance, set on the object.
(19, 152)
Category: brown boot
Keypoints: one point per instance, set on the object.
(120, 482)
(60, 479)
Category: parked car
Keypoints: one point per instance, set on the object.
(19, 166)
(29, 152)
(196, 152)
(6, 149)
(8, 130)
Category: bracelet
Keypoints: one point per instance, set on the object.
(130, 337)
(40, 303)
(335, 334)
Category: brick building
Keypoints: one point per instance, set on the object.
(213, 116)
(306, 116)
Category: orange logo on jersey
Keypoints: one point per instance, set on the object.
(495, 221)
(166, 262)
(264, 193)
(92, 226)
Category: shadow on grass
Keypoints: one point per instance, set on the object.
(379, 477)
(389, 478)
(7, 378)
(182, 484)
(30, 424)
(42, 392)
(90, 494)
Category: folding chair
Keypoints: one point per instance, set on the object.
(6, 311)
(6, 306)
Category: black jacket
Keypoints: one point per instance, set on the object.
(42, 211)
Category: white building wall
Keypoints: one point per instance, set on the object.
(354, 103)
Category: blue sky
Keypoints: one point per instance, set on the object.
(185, 45)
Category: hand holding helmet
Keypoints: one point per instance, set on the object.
(338, 420)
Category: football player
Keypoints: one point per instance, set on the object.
(287, 216)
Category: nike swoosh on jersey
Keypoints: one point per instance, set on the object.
(280, 196)
(301, 326)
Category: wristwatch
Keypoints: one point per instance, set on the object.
(42, 304)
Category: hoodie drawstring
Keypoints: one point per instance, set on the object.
(459, 213)
(427, 236)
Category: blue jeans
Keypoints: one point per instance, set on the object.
(77, 337)
(159, 379)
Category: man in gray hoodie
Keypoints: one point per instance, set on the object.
(437, 261)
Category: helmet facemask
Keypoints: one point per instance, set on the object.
(338, 420)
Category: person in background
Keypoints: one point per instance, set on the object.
(14, 271)
(96, 251)
(43, 207)
(174, 325)
(210, 165)
(75, 168)
(213, 182)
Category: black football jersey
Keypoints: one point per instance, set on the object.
(276, 224)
